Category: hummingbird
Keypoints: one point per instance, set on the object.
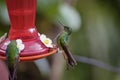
(12, 59)
(62, 41)
(2, 38)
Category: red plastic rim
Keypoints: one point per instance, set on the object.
(35, 57)
(32, 51)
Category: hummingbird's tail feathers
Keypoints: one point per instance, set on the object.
(11, 74)
(71, 62)
(10, 77)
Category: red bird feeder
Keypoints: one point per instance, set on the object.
(22, 19)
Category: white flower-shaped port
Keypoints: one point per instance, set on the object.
(20, 45)
(46, 41)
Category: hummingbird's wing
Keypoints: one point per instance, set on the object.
(14, 76)
(70, 59)
(13, 71)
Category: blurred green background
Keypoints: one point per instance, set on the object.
(96, 34)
